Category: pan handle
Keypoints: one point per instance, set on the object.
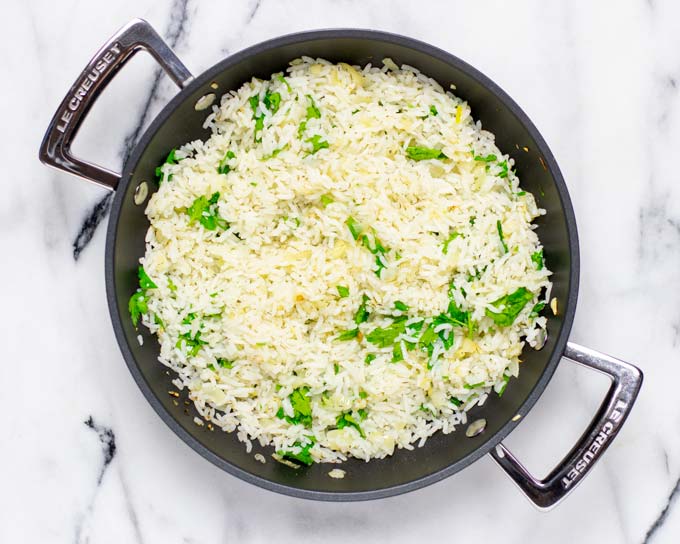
(137, 35)
(626, 381)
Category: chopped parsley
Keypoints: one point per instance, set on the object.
(302, 408)
(326, 200)
(225, 363)
(499, 228)
(336, 368)
(363, 394)
(509, 307)
(372, 243)
(192, 345)
(397, 353)
(418, 153)
(537, 259)
(189, 318)
(362, 313)
(347, 420)
(285, 82)
(274, 153)
(370, 358)
(304, 456)
(451, 238)
(205, 211)
(317, 143)
(137, 306)
(271, 101)
(399, 305)
(383, 337)
(145, 282)
(312, 113)
(506, 379)
(537, 309)
(348, 335)
(170, 159)
(433, 111)
(504, 169)
(342, 291)
(223, 167)
(354, 227)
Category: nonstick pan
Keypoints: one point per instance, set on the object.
(181, 121)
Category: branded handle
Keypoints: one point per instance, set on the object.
(137, 35)
(626, 381)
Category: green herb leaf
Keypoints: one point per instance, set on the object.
(509, 307)
(504, 169)
(537, 309)
(302, 408)
(499, 228)
(397, 353)
(145, 282)
(326, 200)
(363, 394)
(456, 402)
(225, 363)
(370, 358)
(348, 335)
(193, 345)
(336, 368)
(223, 167)
(274, 153)
(189, 318)
(433, 111)
(399, 305)
(418, 153)
(304, 456)
(272, 101)
(362, 313)
(312, 111)
(537, 259)
(342, 291)
(285, 82)
(205, 211)
(487, 158)
(317, 143)
(385, 336)
(137, 306)
(157, 319)
(354, 227)
(347, 420)
(451, 238)
(171, 159)
(506, 379)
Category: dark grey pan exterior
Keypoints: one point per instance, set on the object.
(442, 455)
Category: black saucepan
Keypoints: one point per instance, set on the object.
(181, 121)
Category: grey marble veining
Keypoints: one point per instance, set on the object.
(85, 459)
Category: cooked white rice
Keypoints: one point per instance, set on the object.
(262, 290)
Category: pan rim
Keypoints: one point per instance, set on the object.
(378, 36)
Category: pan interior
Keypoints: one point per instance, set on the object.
(443, 454)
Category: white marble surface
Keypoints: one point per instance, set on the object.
(600, 80)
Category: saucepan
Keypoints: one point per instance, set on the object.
(181, 120)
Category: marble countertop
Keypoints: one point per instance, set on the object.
(85, 459)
